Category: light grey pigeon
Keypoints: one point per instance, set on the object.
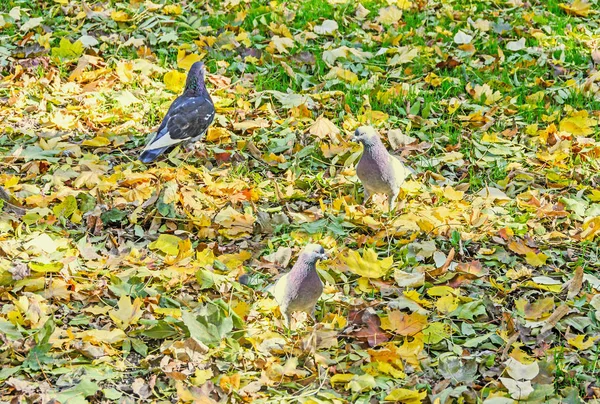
(187, 119)
(300, 289)
(378, 170)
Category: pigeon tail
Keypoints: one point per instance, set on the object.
(148, 156)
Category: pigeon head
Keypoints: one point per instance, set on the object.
(312, 253)
(367, 135)
(195, 79)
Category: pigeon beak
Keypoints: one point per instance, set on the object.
(323, 256)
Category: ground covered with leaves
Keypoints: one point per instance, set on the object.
(119, 281)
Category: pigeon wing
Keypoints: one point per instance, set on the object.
(401, 172)
(278, 290)
(188, 118)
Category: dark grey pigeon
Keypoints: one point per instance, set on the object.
(187, 119)
(378, 170)
(300, 289)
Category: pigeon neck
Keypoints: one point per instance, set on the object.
(194, 87)
(307, 267)
(374, 146)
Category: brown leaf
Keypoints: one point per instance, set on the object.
(520, 248)
(575, 283)
(448, 64)
(596, 56)
(472, 269)
(372, 333)
(555, 317)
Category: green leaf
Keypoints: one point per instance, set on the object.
(139, 346)
(37, 153)
(469, 311)
(113, 216)
(7, 372)
(66, 208)
(160, 330)
(10, 330)
(112, 394)
(46, 268)
(78, 393)
(209, 325)
(67, 51)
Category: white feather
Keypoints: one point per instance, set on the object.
(400, 171)
(278, 289)
(163, 141)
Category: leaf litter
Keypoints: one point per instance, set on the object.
(123, 282)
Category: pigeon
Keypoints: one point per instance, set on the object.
(378, 170)
(187, 119)
(300, 289)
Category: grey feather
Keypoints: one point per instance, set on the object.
(301, 288)
(378, 170)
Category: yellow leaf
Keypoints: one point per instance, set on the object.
(389, 15)
(174, 81)
(323, 127)
(98, 141)
(341, 378)
(119, 16)
(241, 308)
(440, 291)
(172, 9)
(406, 396)
(342, 74)
(230, 383)
(536, 260)
(595, 195)
(63, 121)
(446, 304)
(452, 194)
(590, 227)
(167, 243)
(578, 124)
(125, 71)
(367, 265)
(126, 98)
(201, 376)
(388, 368)
(406, 324)
(579, 8)
(282, 44)
(217, 134)
(128, 313)
(404, 4)
(580, 343)
(102, 336)
(168, 311)
(185, 62)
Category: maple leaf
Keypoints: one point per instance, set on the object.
(367, 264)
(128, 313)
(323, 127)
(405, 324)
(67, 51)
(282, 44)
(579, 8)
(578, 124)
(389, 15)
